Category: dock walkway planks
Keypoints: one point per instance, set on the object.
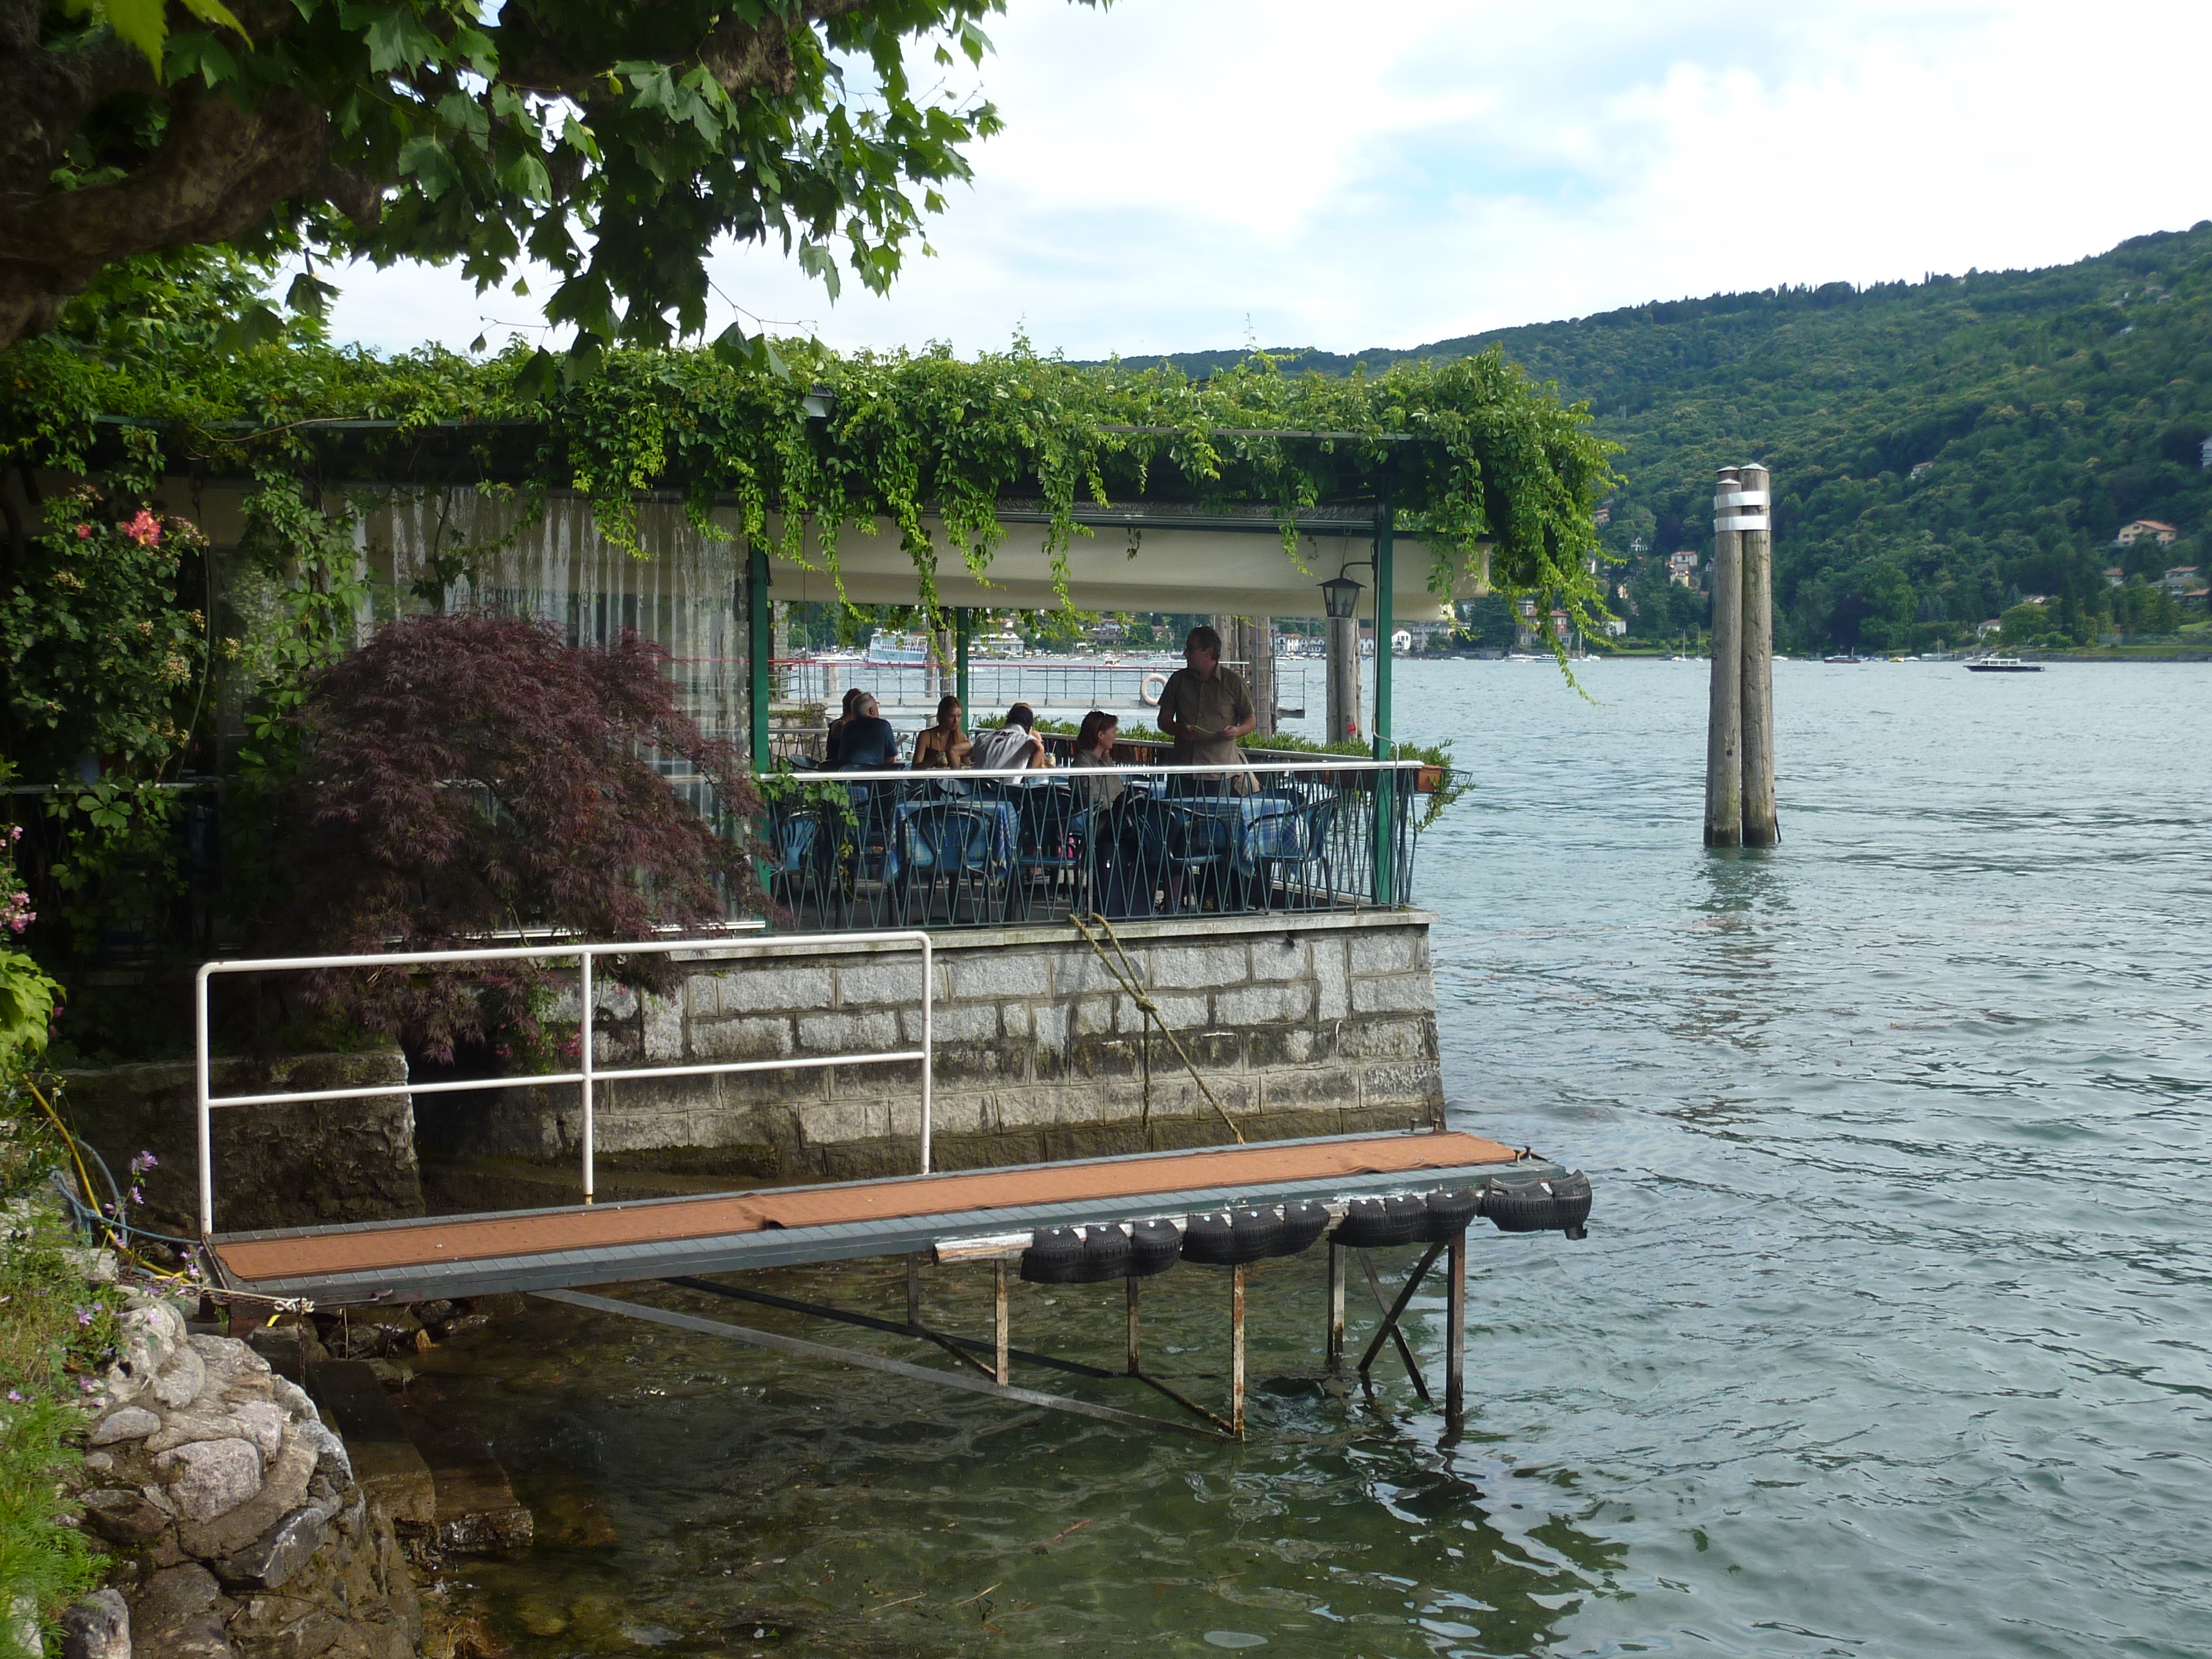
(413, 1260)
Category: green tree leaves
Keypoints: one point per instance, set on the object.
(617, 142)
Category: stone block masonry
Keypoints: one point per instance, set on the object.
(1301, 1024)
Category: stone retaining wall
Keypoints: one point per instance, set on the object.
(275, 1166)
(1299, 1025)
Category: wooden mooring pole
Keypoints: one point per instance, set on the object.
(1739, 720)
(1760, 826)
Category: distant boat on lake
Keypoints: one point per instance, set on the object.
(2002, 666)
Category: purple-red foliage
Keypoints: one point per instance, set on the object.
(466, 774)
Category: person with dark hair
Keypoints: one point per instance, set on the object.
(1015, 744)
(834, 740)
(943, 746)
(1205, 707)
(1094, 747)
(870, 745)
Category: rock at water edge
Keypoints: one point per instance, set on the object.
(274, 1557)
(218, 1476)
(98, 1627)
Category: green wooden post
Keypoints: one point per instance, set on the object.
(1386, 841)
(964, 624)
(760, 646)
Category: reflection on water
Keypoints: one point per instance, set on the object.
(698, 1491)
(1889, 1336)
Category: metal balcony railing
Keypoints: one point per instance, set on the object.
(868, 850)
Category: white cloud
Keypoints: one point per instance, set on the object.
(1172, 168)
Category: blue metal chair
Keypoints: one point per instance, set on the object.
(1280, 848)
(803, 872)
(1184, 849)
(959, 849)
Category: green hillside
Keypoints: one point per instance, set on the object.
(2050, 407)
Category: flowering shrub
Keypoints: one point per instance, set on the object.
(108, 662)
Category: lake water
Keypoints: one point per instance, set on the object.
(1890, 1336)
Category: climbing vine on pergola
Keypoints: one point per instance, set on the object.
(1483, 464)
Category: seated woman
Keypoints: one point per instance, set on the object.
(1094, 746)
(944, 746)
(869, 745)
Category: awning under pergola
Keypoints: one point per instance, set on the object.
(1154, 555)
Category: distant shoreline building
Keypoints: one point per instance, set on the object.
(2157, 529)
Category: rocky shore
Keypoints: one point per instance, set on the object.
(231, 1513)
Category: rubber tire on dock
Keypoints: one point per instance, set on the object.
(1054, 1257)
(1536, 1206)
(1303, 1221)
(1105, 1253)
(1220, 1238)
(1372, 1224)
(1445, 1215)
(1154, 1247)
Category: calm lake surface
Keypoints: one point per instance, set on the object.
(1893, 1335)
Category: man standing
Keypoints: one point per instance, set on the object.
(1204, 708)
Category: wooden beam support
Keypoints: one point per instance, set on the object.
(1237, 1350)
(1336, 1255)
(998, 1320)
(1455, 1335)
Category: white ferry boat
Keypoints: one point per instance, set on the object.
(898, 648)
(2002, 666)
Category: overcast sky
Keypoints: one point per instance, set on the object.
(1183, 174)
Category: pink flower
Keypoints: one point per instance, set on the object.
(145, 529)
(15, 1397)
(84, 532)
(84, 1317)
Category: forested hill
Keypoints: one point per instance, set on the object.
(2050, 407)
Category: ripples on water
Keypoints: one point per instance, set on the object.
(1889, 1337)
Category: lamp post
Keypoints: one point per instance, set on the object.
(1340, 597)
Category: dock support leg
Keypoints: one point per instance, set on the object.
(999, 1320)
(1455, 1335)
(913, 1290)
(1132, 1283)
(1335, 1303)
(1237, 1350)
(1392, 1312)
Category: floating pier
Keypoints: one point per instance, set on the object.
(1083, 1221)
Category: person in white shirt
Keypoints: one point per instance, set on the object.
(1015, 744)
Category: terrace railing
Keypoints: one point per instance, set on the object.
(895, 849)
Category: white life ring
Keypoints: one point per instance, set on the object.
(1147, 695)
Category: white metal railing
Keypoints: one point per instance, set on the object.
(587, 1074)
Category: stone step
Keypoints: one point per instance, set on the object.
(385, 1462)
(476, 1511)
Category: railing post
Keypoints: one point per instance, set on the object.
(201, 1080)
(584, 1058)
(1386, 841)
(928, 1046)
(964, 624)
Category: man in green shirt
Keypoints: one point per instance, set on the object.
(1204, 708)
